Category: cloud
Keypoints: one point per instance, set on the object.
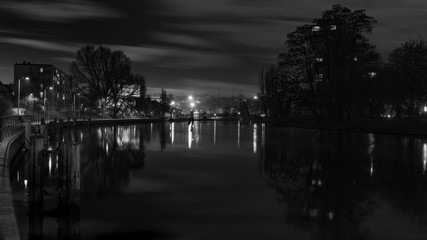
(39, 44)
(176, 57)
(59, 11)
(193, 86)
(182, 39)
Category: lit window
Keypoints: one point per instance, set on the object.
(315, 29)
(319, 59)
(333, 27)
(41, 94)
(372, 74)
(319, 77)
(355, 59)
(41, 70)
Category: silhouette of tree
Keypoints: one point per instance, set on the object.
(329, 62)
(106, 76)
(407, 72)
(165, 101)
(6, 106)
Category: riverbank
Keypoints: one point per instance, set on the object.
(381, 125)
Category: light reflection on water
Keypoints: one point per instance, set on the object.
(218, 180)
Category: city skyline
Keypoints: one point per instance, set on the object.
(186, 47)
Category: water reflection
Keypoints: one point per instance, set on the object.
(54, 180)
(106, 172)
(331, 182)
(334, 185)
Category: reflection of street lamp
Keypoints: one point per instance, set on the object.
(19, 91)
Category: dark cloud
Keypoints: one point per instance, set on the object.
(188, 44)
(58, 11)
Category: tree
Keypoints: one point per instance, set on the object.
(165, 101)
(327, 62)
(6, 106)
(408, 71)
(106, 76)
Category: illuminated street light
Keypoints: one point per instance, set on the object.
(19, 91)
(192, 105)
(190, 97)
(255, 97)
(173, 103)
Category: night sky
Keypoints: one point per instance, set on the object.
(185, 46)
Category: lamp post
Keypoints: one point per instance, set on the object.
(19, 91)
(74, 105)
(50, 103)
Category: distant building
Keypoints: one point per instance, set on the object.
(44, 84)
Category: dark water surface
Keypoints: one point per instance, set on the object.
(224, 180)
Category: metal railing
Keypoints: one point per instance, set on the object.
(10, 125)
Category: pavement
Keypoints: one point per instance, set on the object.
(8, 224)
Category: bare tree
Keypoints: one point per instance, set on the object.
(105, 75)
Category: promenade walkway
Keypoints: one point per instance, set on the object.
(8, 225)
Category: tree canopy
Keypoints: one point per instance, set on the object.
(105, 75)
(328, 63)
(326, 70)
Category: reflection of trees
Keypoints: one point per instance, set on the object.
(403, 178)
(106, 162)
(321, 185)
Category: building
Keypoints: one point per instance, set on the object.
(42, 87)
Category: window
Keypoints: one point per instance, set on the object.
(315, 29)
(355, 59)
(41, 70)
(319, 77)
(333, 27)
(319, 59)
(372, 74)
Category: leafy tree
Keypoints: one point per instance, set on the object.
(105, 75)
(328, 62)
(407, 72)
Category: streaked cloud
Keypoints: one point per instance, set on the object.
(39, 44)
(54, 11)
(175, 57)
(201, 87)
(182, 39)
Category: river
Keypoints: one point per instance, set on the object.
(232, 180)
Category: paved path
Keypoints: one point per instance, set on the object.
(8, 224)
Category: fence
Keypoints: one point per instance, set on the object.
(10, 125)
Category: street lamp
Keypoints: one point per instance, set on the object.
(19, 91)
